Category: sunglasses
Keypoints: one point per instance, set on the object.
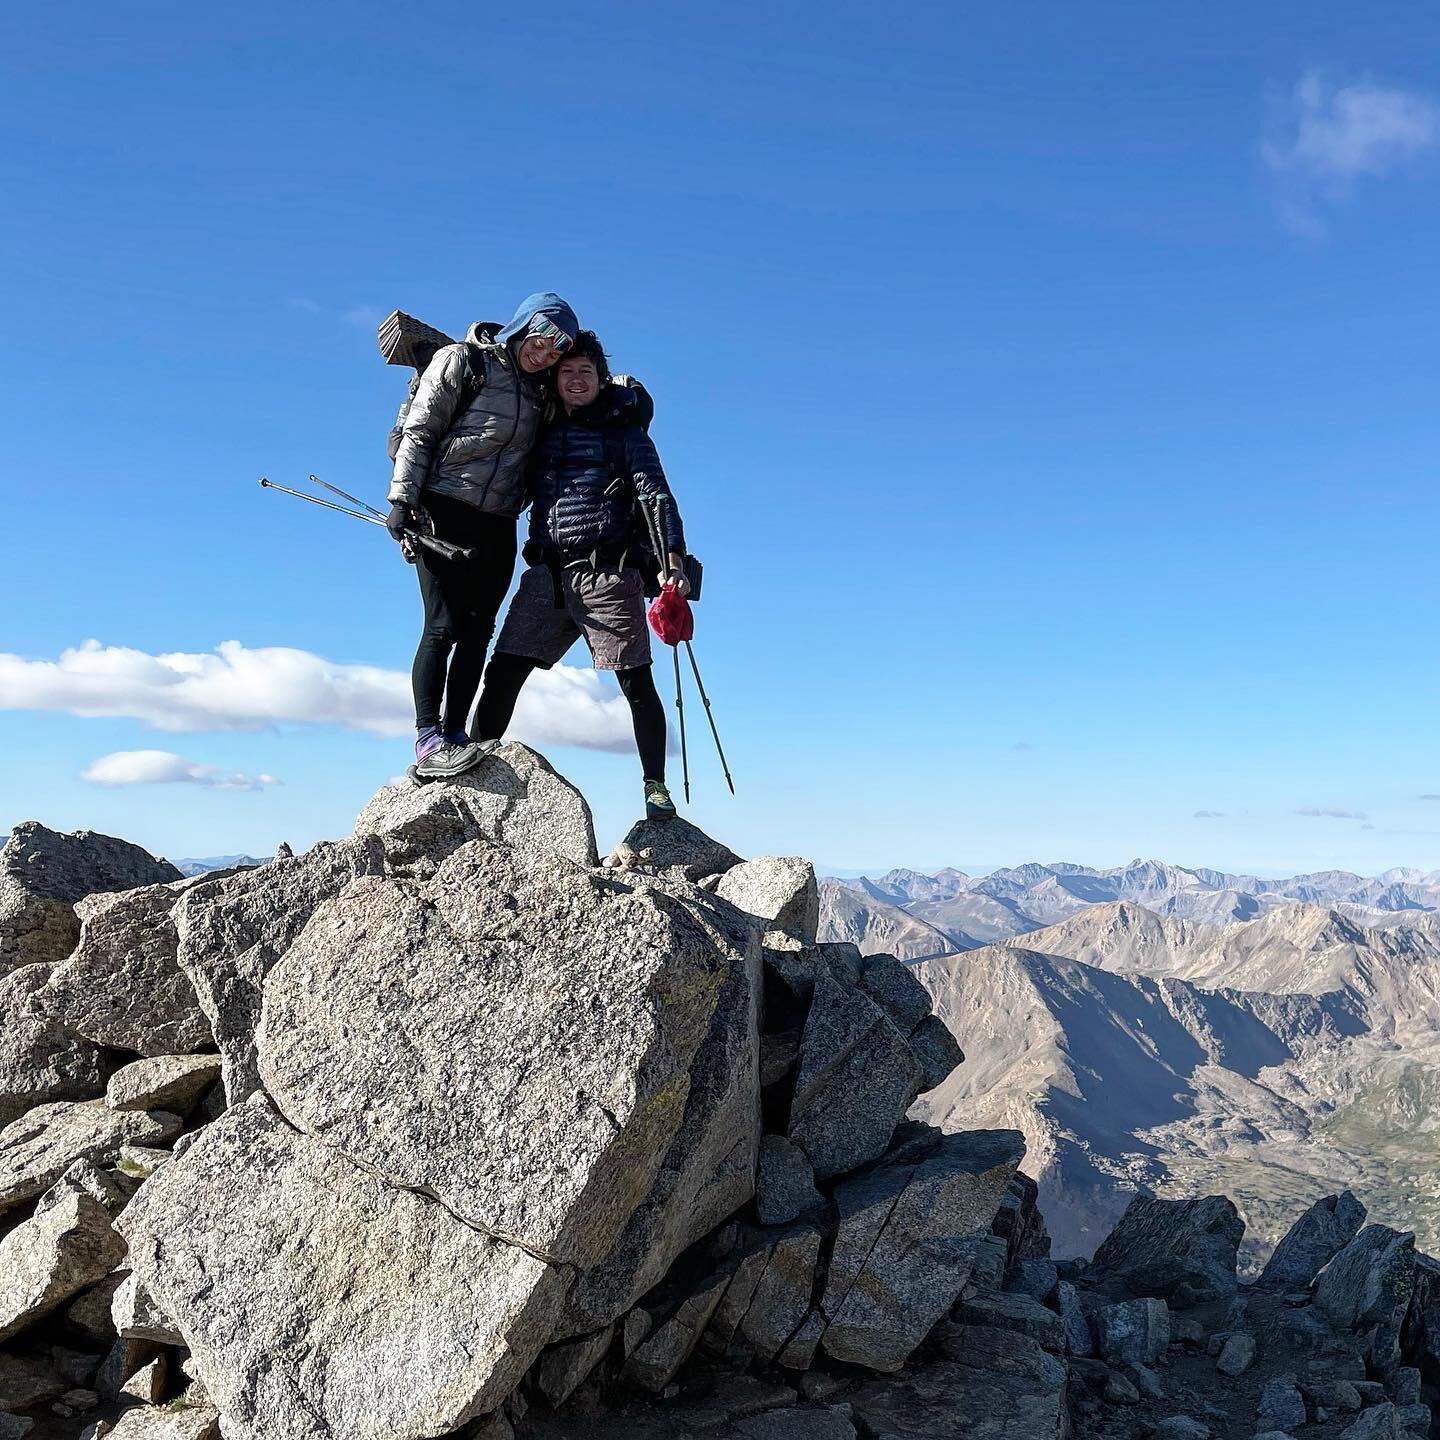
(543, 329)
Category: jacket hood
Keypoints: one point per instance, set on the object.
(543, 302)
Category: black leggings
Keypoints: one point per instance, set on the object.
(461, 599)
(506, 675)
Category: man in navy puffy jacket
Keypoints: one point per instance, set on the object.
(585, 550)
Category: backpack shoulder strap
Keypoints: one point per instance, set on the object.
(613, 438)
(475, 377)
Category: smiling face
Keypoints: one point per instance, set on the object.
(537, 353)
(577, 381)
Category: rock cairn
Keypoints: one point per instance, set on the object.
(450, 1129)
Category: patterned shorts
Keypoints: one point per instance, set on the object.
(607, 607)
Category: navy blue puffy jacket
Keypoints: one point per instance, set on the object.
(570, 473)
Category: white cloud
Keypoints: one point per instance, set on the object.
(1318, 814)
(162, 767)
(1208, 815)
(1325, 137)
(237, 688)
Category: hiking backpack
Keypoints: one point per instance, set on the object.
(404, 340)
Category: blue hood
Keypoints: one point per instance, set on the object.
(543, 302)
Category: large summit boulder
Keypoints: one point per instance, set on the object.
(320, 1303)
(515, 1039)
(514, 798)
(44, 872)
(233, 930)
(490, 1077)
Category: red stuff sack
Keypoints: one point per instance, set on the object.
(671, 617)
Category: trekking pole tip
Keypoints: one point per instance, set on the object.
(264, 482)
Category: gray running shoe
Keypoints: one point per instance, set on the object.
(448, 760)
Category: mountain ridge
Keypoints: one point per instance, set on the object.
(1276, 1059)
(1016, 900)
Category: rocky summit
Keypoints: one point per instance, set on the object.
(452, 1128)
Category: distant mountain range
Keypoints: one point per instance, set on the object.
(977, 910)
(215, 862)
(1276, 1054)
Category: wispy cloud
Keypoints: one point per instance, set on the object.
(364, 317)
(163, 767)
(234, 687)
(1023, 746)
(1319, 814)
(1208, 815)
(302, 302)
(1325, 137)
(1428, 797)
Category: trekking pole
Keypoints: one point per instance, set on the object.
(336, 490)
(433, 543)
(709, 714)
(657, 543)
(659, 530)
(315, 500)
(680, 713)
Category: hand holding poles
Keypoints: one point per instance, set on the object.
(653, 523)
(411, 537)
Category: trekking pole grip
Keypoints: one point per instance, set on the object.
(440, 547)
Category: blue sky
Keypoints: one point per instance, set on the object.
(1050, 391)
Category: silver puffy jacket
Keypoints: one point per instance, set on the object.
(479, 454)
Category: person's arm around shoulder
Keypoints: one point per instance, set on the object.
(643, 462)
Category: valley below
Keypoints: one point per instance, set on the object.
(1187, 1031)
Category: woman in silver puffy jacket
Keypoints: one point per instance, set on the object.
(460, 462)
